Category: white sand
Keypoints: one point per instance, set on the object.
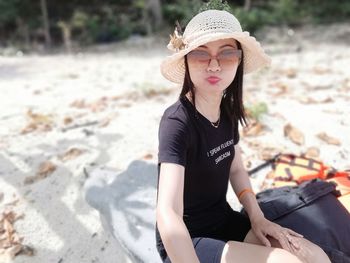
(58, 223)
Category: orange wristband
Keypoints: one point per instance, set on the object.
(245, 190)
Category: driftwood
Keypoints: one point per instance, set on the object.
(75, 126)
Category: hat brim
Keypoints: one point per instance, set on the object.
(254, 57)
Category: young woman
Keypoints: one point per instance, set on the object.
(199, 154)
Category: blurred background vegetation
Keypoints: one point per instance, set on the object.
(55, 23)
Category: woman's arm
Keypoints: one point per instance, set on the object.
(172, 229)
(239, 180)
(262, 227)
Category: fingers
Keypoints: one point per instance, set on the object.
(294, 241)
(292, 238)
(288, 239)
(291, 232)
(285, 243)
(263, 239)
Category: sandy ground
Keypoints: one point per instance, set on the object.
(102, 106)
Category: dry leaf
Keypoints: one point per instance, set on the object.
(268, 181)
(323, 86)
(312, 152)
(253, 129)
(9, 215)
(247, 163)
(80, 104)
(124, 104)
(29, 128)
(37, 121)
(10, 242)
(290, 72)
(307, 100)
(27, 250)
(327, 100)
(33, 126)
(116, 97)
(268, 153)
(39, 118)
(98, 105)
(293, 134)
(105, 122)
(147, 156)
(67, 120)
(282, 88)
(71, 154)
(45, 169)
(8, 228)
(346, 85)
(328, 139)
(321, 70)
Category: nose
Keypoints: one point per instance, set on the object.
(214, 65)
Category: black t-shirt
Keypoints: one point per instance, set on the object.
(187, 138)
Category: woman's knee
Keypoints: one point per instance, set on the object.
(244, 252)
(282, 255)
(310, 252)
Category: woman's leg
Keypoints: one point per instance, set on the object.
(235, 251)
(308, 252)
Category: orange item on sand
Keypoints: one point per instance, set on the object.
(290, 170)
(289, 167)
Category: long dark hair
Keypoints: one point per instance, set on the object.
(232, 100)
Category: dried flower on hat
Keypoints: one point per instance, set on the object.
(177, 41)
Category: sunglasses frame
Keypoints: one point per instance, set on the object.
(238, 54)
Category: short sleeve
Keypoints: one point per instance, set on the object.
(173, 141)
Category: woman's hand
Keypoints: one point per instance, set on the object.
(286, 237)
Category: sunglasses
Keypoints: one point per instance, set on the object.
(225, 57)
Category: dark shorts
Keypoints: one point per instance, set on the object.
(209, 248)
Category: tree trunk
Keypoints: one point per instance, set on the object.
(66, 35)
(155, 8)
(247, 5)
(46, 22)
(23, 32)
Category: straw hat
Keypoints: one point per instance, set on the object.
(205, 27)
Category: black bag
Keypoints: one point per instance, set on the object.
(313, 210)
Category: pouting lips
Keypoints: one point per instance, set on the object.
(213, 79)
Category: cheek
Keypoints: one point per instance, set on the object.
(230, 74)
(196, 74)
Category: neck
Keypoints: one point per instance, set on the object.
(208, 105)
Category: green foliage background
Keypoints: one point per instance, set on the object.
(100, 21)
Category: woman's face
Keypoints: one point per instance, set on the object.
(213, 66)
